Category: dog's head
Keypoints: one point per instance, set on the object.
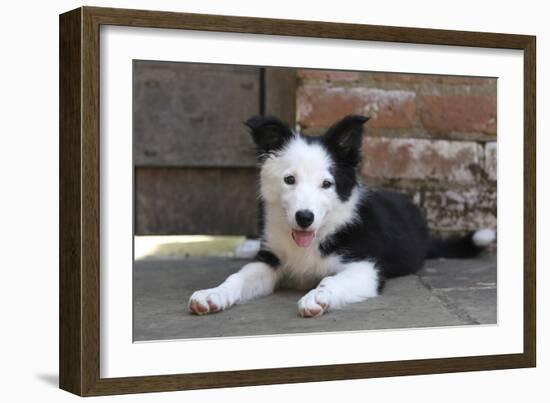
(310, 179)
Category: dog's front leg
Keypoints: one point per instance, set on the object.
(356, 282)
(254, 280)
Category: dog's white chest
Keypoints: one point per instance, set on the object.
(302, 267)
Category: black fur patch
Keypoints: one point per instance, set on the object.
(269, 133)
(390, 232)
(381, 284)
(463, 247)
(345, 179)
(268, 257)
(343, 143)
(344, 139)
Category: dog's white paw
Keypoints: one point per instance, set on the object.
(207, 301)
(314, 303)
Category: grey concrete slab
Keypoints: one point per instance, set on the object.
(163, 287)
(467, 287)
(460, 273)
(477, 306)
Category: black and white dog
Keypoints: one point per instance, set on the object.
(324, 231)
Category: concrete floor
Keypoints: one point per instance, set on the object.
(444, 293)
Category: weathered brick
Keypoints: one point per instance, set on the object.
(455, 161)
(491, 160)
(462, 113)
(458, 210)
(320, 106)
(328, 75)
(432, 79)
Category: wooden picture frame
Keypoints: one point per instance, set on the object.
(79, 201)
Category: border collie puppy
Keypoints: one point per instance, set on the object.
(324, 231)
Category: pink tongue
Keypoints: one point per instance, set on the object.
(303, 238)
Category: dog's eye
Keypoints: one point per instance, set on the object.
(326, 184)
(290, 180)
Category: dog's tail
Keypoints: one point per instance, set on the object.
(468, 246)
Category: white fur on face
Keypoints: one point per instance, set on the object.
(310, 165)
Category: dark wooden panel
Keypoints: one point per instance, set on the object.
(280, 93)
(211, 201)
(192, 114)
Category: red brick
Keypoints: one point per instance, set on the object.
(430, 78)
(464, 113)
(320, 106)
(328, 75)
(397, 158)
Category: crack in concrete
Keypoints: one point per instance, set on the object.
(450, 305)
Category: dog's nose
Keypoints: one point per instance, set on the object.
(304, 218)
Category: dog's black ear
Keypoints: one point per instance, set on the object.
(343, 139)
(269, 133)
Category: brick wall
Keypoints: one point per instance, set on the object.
(433, 137)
